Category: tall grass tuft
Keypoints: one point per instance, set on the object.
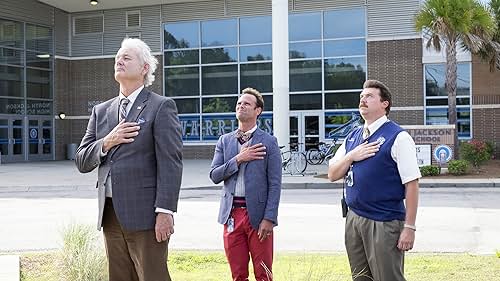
(82, 257)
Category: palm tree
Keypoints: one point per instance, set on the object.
(491, 51)
(455, 22)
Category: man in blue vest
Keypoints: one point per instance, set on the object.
(380, 167)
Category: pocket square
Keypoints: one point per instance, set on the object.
(140, 120)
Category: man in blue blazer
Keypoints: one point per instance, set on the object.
(248, 160)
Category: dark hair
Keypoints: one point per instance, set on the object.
(256, 94)
(385, 94)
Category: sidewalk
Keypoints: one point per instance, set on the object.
(63, 176)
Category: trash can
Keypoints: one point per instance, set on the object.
(71, 151)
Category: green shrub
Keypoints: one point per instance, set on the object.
(429, 170)
(82, 257)
(476, 152)
(490, 147)
(458, 167)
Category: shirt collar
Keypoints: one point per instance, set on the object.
(251, 130)
(377, 124)
(132, 96)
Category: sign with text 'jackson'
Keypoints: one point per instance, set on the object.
(433, 135)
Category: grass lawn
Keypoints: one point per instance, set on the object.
(201, 266)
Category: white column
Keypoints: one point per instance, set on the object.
(281, 88)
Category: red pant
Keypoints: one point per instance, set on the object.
(241, 242)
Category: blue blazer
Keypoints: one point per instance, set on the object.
(262, 178)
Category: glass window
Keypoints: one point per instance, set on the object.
(305, 50)
(341, 100)
(305, 75)
(11, 56)
(38, 38)
(181, 35)
(37, 107)
(304, 26)
(12, 106)
(220, 80)
(37, 60)
(11, 81)
(340, 48)
(256, 53)
(219, 32)
(183, 57)
(188, 105)
(258, 76)
(218, 55)
(255, 30)
(305, 102)
(268, 102)
(345, 73)
(38, 83)
(333, 120)
(182, 81)
(219, 104)
(435, 77)
(11, 34)
(344, 23)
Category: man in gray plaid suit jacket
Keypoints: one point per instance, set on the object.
(135, 141)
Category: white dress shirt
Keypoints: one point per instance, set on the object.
(403, 152)
(240, 180)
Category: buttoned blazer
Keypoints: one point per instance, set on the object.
(262, 177)
(145, 173)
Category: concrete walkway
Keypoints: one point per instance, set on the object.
(63, 176)
(9, 268)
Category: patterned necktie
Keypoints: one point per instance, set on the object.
(366, 133)
(242, 136)
(123, 108)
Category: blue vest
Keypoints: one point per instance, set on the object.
(377, 192)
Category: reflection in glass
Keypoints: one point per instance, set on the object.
(305, 102)
(38, 83)
(256, 53)
(183, 57)
(305, 75)
(181, 35)
(11, 56)
(182, 81)
(38, 60)
(11, 81)
(268, 102)
(39, 107)
(220, 80)
(334, 120)
(219, 32)
(435, 78)
(255, 30)
(311, 125)
(306, 26)
(305, 50)
(345, 73)
(344, 23)
(218, 55)
(340, 48)
(219, 104)
(12, 34)
(17, 135)
(188, 105)
(341, 100)
(38, 38)
(12, 106)
(258, 76)
(47, 141)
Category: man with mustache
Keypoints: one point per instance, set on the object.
(380, 167)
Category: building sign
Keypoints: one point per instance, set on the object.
(442, 154)
(435, 136)
(423, 154)
(33, 107)
(211, 127)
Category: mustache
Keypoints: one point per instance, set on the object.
(362, 105)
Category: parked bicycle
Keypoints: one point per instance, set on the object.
(293, 161)
(325, 152)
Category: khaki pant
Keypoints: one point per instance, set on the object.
(133, 255)
(372, 249)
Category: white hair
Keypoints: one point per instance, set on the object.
(145, 56)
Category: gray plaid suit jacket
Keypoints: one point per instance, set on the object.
(262, 178)
(146, 173)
